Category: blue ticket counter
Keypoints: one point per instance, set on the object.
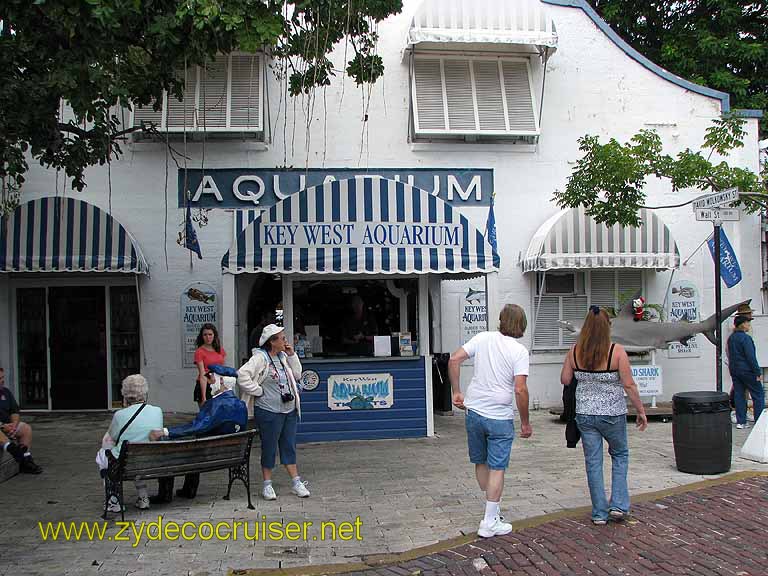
(346, 266)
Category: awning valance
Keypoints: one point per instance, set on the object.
(366, 225)
(524, 22)
(570, 239)
(58, 234)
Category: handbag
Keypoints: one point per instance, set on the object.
(101, 456)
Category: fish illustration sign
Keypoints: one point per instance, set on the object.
(199, 305)
(683, 306)
(473, 313)
(360, 391)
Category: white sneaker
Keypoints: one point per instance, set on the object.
(494, 528)
(742, 426)
(114, 505)
(142, 502)
(269, 493)
(300, 489)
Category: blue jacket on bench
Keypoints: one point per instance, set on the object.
(225, 413)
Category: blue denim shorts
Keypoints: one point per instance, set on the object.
(489, 441)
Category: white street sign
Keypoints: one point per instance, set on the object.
(722, 198)
(722, 214)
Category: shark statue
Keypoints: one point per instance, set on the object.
(644, 335)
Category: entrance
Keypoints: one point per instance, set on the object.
(78, 342)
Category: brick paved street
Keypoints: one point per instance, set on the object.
(408, 493)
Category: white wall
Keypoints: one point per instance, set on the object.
(591, 87)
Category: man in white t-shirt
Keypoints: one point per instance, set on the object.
(501, 374)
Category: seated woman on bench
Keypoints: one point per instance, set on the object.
(223, 413)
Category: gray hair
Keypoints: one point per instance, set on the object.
(135, 389)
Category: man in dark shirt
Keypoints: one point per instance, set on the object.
(15, 435)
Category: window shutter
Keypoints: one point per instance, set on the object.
(213, 95)
(147, 114)
(182, 114)
(458, 92)
(603, 288)
(246, 108)
(490, 99)
(574, 310)
(473, 96)
(629, 282)
(518, 92)
(547, 329)
(428, 82)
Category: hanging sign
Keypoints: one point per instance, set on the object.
(683, 306)
(199, 305)
(360, 391)
(245, 188)
(648, 380)
(474, 313)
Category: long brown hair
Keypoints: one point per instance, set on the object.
(216, 344)
(512, 321)
(594, 339)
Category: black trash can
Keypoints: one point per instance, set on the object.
(701, 432)
(442, 398)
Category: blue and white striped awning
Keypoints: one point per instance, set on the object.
(364, 225)
(57, 234)
(571, 239)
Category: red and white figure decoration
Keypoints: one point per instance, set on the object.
(638, 308)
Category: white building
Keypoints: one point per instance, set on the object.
(479, 98)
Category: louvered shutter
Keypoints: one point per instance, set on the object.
(628, 283)
(147, 114)
(547, 329)
(490, 98)
(574, 310)
(473, 96)
(182, 114)
(603, 288)
(458, 92)
(517, 88)
(245, 93)
(428, 85)
(213, 95)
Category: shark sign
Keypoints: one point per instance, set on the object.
(645, 335)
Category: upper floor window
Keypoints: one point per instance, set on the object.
(465, 96)
(227, 95)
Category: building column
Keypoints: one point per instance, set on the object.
(229, 315)
(492, 300)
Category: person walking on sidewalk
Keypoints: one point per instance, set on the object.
(745, 371)
(603, 374)
(500, 376)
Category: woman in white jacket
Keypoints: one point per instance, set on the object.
(268, 386)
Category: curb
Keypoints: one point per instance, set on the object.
(381, 560)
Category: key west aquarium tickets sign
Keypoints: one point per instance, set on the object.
(360, 391)
(262, 188)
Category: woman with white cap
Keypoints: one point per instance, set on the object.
(268, 386)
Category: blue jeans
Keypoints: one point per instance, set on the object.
(276, 430)
(614, 429)
(742, 383)
(489, 440)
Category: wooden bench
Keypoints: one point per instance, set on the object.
(152, 460)
(8, 466)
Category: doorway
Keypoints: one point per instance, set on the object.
(78, 347)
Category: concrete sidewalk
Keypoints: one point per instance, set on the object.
(407, 493)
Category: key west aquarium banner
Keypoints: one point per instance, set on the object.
(360, 391)
(246, 188)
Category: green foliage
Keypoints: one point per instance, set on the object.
(722, 44)
(100, 54)
(609, 179)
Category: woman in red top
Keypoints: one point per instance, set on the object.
(209, 351)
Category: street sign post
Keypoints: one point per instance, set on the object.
(721, 214)
(722, 198)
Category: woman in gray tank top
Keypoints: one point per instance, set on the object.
(603, 374)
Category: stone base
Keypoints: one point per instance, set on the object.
(8, 466)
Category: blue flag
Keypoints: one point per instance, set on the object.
(190, 236)
(490, 228)
(730, 271)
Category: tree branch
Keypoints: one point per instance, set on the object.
(89, 134)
